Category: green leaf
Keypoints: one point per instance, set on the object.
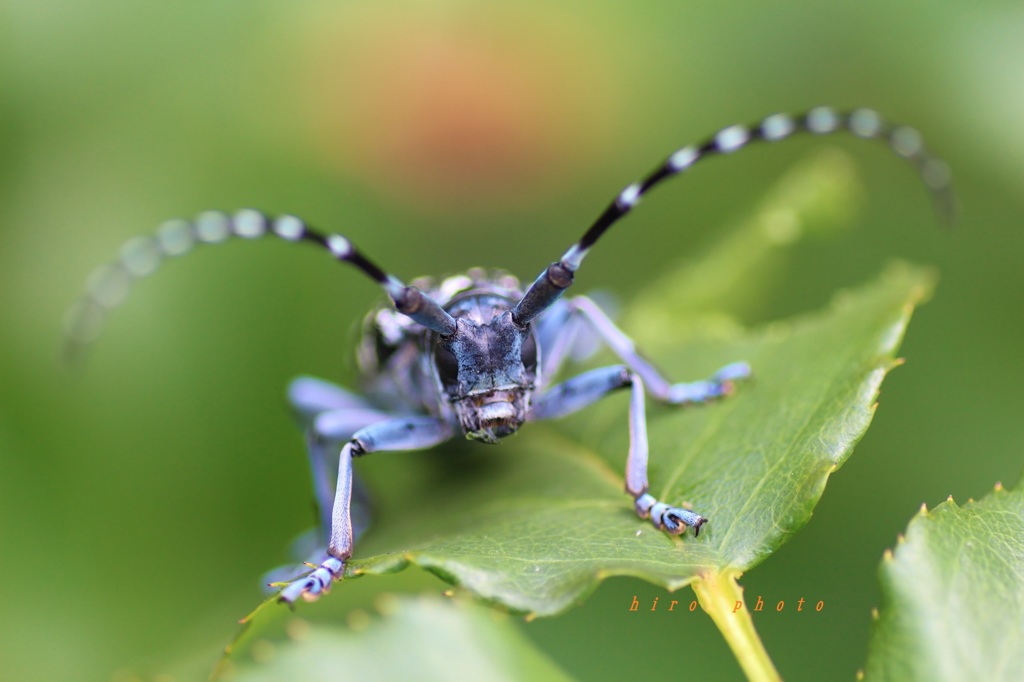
(421, 638)
(953, 595)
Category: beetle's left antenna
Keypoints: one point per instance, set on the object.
(109, 285)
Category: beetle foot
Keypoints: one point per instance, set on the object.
(674, 520)
(314, 584)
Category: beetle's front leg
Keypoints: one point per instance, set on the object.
(674, 520)
(720, 384)
(586, 389)
(403, 433)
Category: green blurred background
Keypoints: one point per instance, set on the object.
(142, 497)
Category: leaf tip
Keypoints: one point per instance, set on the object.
(887, 555)
(999, 487)
(859, 676)
(924, 509)
(900, 538)
(874, 613)
(949, 498)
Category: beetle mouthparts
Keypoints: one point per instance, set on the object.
(487, 417)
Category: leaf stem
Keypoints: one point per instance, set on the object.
(722, 598)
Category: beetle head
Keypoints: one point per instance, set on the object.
(487, 370)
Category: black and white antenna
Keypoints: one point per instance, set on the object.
(865, 123)
(110, 284)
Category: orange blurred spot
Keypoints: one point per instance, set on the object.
(438, 111)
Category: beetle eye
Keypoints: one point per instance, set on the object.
(447, 365)
(529, 353)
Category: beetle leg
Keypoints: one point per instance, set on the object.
(578, 392)
(330, 415)
(587, 388)
(311, 396)
(324, 439)
(674, 520)
(720, 384)
(402, 433)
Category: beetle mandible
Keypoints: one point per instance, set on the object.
(471, 354)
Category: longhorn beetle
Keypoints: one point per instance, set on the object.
(472, 354)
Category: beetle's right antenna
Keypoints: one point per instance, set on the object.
(109, 285)
(866, 123)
